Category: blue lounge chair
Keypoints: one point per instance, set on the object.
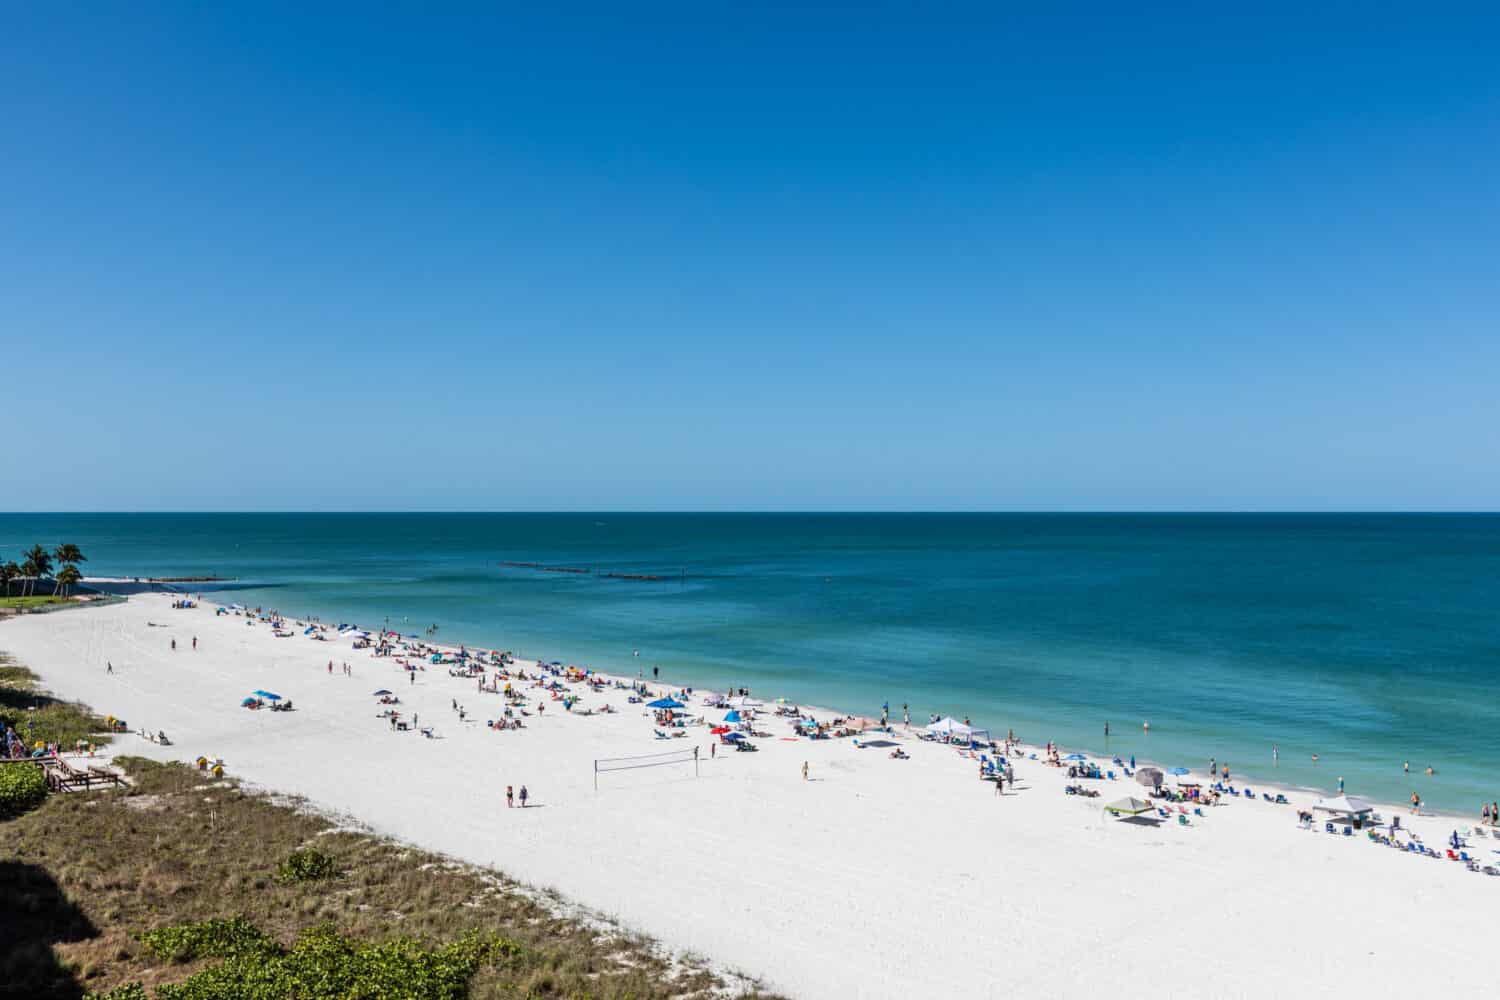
(1348, 831)
(1182, 821)
(1328, 828)
(1111, 775)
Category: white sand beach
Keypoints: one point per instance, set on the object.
(876, 878)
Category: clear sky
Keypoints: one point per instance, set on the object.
(708, 256)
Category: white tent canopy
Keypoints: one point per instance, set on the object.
(949, 727)
(1344, 804)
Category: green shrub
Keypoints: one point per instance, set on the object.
(231, 938)
(130, 991)
(323, 965)
(22, 787)
(306, 865)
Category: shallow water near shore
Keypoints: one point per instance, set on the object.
(1366, 639)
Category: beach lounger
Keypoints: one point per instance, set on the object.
(1198, 812)
(1348, 831)
(1111, 775)
(1328, 828)
(1183, 821)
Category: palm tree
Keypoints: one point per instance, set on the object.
(65, 554)
(37, 565)
(8, 572)
(66, 577)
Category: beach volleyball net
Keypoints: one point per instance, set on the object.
(603, 765)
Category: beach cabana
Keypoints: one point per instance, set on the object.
(949, 727)
(1129, 806)
(733, 716)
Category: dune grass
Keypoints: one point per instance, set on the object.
(37, 715)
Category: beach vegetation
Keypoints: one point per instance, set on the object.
(9, 573)
(26, 603)
(38, 717)
(175, 880)
(307, 864)
(22, 787)
(68, 557)
(36, 564)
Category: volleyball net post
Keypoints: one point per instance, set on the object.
(604, 765)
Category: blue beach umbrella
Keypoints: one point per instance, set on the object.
(1179, 771)
(1075, 756)
(665, 703)
(381, 692)
(734, 736)
(733, 716)
(248, 701)
(268, 695)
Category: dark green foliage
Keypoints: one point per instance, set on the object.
(322, 965)
(22, 787)
(130, 991)
(231, 938)
(306, 865)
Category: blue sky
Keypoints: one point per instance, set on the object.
(744, 257)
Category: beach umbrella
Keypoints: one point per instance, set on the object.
(733, 717)
(719, 730)
(381, 692)
(269, 696)
(734, 736)
(247, 701)
(1129, 806)
(1179, 771)
(1075, 756)
(1151, 777)
(665, 703)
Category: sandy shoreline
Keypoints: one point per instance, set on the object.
(877, 878)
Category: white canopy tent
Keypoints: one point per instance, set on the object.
(1344, 805)
(950, 729)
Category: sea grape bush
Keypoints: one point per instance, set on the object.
(208, 939)
(22, 787)
(307, 865)
(322, 965)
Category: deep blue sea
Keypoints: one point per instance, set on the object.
(1366, 639)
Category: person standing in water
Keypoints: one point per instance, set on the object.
(804, 770)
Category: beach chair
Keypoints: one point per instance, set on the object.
(1328, 828)
(1348, 831)
(1267, 797)
(1197, 812)
(1111, 775)
(1249, 794)
(1163, 814)
(1183, 821)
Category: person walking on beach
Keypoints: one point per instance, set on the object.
(804, 770)
(1416, 803)
(1226, 774)
(1213, 768)
(174, 645)
(510, 796)
(713, 751)
(109, 668)
(905, 716)
(524, 796)
(411, 678)
(195, 643)
(1341, 784)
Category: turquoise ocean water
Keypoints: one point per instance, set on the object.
(1367, 639)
